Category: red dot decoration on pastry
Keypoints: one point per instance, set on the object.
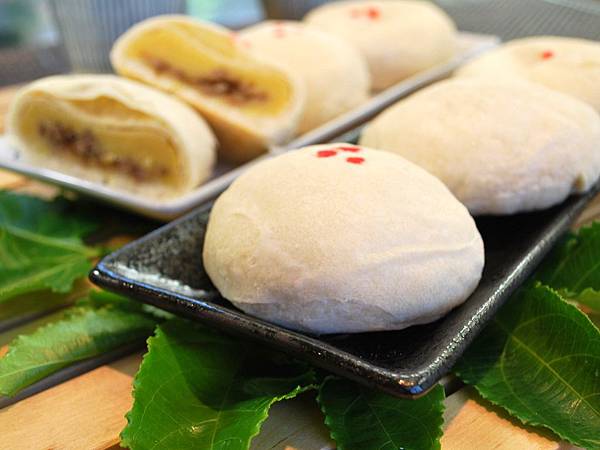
(370, 12)
(373, 13)
(355, 160)
(326, 153)
(343, 148)
(349, 149)
(547, 54)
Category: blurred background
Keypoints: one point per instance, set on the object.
(43, 37)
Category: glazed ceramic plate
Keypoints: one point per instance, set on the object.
(165, 269)
(470, 46)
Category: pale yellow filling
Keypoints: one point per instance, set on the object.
(101, 133)
(204, 58)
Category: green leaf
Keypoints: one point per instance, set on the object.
(573, 267)
(40, 245)
(56, 274)
(539, 359)
(82, 333)
(32, 303)
(57, 218)
(364, 419)
(199, 389)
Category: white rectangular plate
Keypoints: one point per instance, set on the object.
(223, 175)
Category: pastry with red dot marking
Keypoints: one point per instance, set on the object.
(568, 65)
(334, 73)
(501, 146)
(326, 153)
(398, 38)
(327, 246)
(355, 160)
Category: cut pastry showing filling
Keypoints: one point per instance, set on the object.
(60, 129)
(249, 103)
(114, 131)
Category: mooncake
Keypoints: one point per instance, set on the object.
(398, 38)
(339, 238)
(249, 103)
(112, 130)
(568, 65)
(501, 147)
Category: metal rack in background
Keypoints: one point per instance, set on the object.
(510, 19)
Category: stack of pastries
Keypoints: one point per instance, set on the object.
(242, 92)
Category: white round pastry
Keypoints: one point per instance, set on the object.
(338, 239)
(335, 74)
(397, 37)
(500, 146)
(568, 65)
(113, 131)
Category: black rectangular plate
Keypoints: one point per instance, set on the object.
(165, 269)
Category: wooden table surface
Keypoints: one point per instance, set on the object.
(87, 412)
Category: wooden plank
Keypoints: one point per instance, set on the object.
(10, 180)
(294, 424)
(38, 189)
(591, 213)
(87, 412)
(477, 424)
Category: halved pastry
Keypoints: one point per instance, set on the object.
(114, 131)
(249, 103)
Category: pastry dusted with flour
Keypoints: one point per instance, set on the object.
(569, 65)
(398, 38)
(335, 74)
(339, 238)
(249, 103)
(112, 130)
(500, 146)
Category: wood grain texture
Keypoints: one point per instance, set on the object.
(477, 425)
(294, 425)
(591, 213)
(9, 180)
(86, 412)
